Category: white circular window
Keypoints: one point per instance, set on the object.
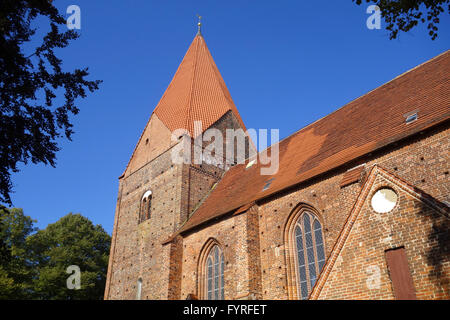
(384, 200)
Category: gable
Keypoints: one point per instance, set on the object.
(357, 266)
(154, 140)
(197, 93)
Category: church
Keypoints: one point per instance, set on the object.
(358, 207)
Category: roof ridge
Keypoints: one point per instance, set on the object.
(383, 130)
(358, 98)
(224, 87)
(196, 92)
(194, 68)
(221, 82)
(171, 82)
(139, 140)
(153, 112)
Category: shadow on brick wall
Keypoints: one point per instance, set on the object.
(438, 254)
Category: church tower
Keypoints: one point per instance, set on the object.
(157, 195)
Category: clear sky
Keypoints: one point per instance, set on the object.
(286, 64)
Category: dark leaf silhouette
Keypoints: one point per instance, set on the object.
(30, 117)
(403, 15)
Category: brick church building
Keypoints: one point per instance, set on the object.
(358, 209)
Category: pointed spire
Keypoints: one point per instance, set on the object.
(197, 92)
(199, 24)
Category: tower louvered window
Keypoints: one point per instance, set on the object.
(214, 274)
(310, 252)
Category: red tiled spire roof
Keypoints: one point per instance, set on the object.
(197, 92)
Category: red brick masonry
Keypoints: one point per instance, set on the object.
(330, 168)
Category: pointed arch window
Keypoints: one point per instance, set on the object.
(306, 256)
(146, 206)
(214, 274)
(211, 272)
(310, 252)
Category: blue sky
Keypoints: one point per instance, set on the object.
(286, 64)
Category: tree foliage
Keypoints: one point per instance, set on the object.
(72, 240)
(30, 81)
(16, 271)
(403, 15)
(33, 264)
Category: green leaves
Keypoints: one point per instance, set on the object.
(34, 264)
(15, 268)
(72, 240)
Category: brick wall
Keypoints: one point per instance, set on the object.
(360, 270)
(230, 234)
(421, 160)
(253, 242)
(137, 250)
(140, 250)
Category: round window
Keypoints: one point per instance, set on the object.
(384, 200)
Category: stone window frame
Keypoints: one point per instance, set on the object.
(145, 206)
(202, 267)
(292, 276)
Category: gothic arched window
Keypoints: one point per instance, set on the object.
(146, 206)
(310, 251)
(214, 274)
(211, 272)
(307, 258)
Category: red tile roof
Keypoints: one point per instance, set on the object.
(360, 127)
(197, 92)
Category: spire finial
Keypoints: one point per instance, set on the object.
(199, 24)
